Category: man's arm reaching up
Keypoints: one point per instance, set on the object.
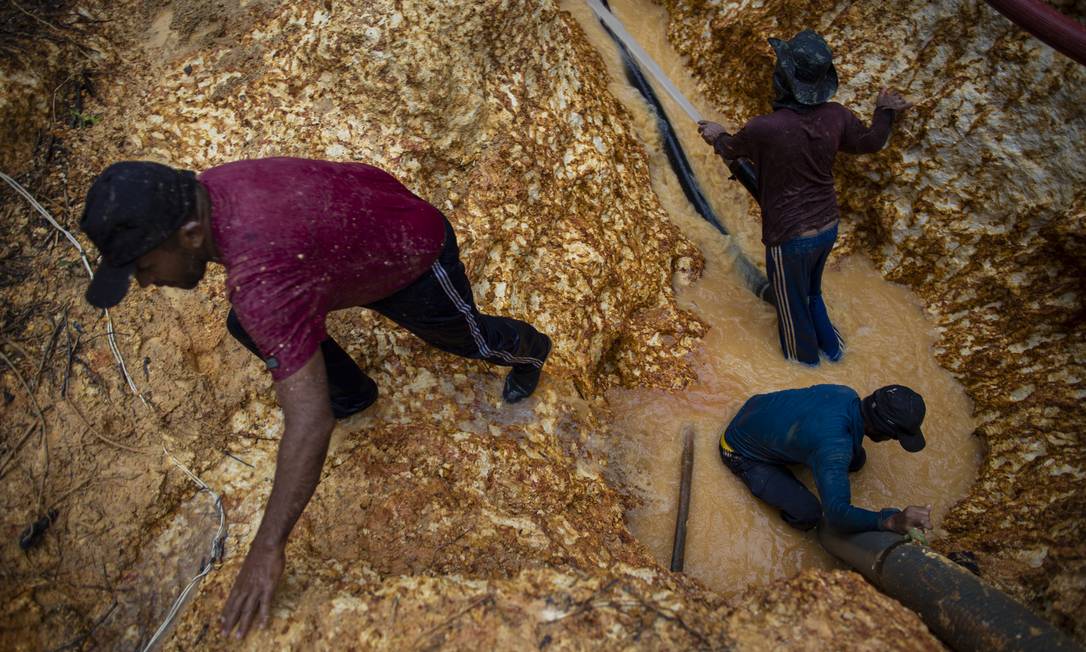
(303, 397)
(858, 138)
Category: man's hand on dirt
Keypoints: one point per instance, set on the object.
(710, 131)
(912, 516)
(253, 589)
(891, 99)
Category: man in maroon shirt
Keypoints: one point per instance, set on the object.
(299, 239)
(793, 151)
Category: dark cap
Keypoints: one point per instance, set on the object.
(805, 68)
(898, 412)
(131, 208)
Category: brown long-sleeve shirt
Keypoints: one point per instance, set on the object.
(793, 154)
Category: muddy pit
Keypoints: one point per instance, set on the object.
(888, 339)
(445, 518)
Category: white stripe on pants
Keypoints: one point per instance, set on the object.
(784, 310)
(469, 316)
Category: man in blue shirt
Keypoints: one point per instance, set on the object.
(823, 428)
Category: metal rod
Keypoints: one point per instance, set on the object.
(678, 550)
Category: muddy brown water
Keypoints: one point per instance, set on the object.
(733, 540)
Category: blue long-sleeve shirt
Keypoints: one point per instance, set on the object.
(820, 427)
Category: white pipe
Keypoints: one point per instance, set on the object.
(615, 25)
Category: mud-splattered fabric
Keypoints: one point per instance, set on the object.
(818, 426)
(803, 322)
(300, 238)
(439, 308)
(794, 153)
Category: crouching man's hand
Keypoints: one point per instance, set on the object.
(912, 516)
(307, 428)
(710, 131)
(253, 589)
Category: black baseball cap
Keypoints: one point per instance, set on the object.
(131, 208)
(898, 412)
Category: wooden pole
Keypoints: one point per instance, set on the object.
(678, 551)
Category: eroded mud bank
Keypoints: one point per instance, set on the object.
(443, 517)
(887, 336)
(979, 205)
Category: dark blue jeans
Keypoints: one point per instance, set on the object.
(439, 308)
(777, 486)
(795, 274)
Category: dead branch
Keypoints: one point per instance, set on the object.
(451, 619)
(77, 642)
(47, 351)
(94, 431)
(41, 420)
(15, 449)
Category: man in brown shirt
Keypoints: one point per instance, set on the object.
(793, 149)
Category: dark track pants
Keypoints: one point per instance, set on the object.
(795, 274)
(776, 485)
(438, 307)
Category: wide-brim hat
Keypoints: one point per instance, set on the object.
(805, 67)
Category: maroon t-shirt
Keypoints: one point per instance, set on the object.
(793, 154)
(300, 238)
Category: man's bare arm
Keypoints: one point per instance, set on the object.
(308, 424)
(912, 516)
(308, 420)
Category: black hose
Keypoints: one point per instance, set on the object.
(963, 611)
(741, 170)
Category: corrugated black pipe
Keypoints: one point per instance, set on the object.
(743, 171)
(964, 612)
(1062, 33)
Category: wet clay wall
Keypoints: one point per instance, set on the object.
(443, 518)
(888, 339)
(979, 204)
